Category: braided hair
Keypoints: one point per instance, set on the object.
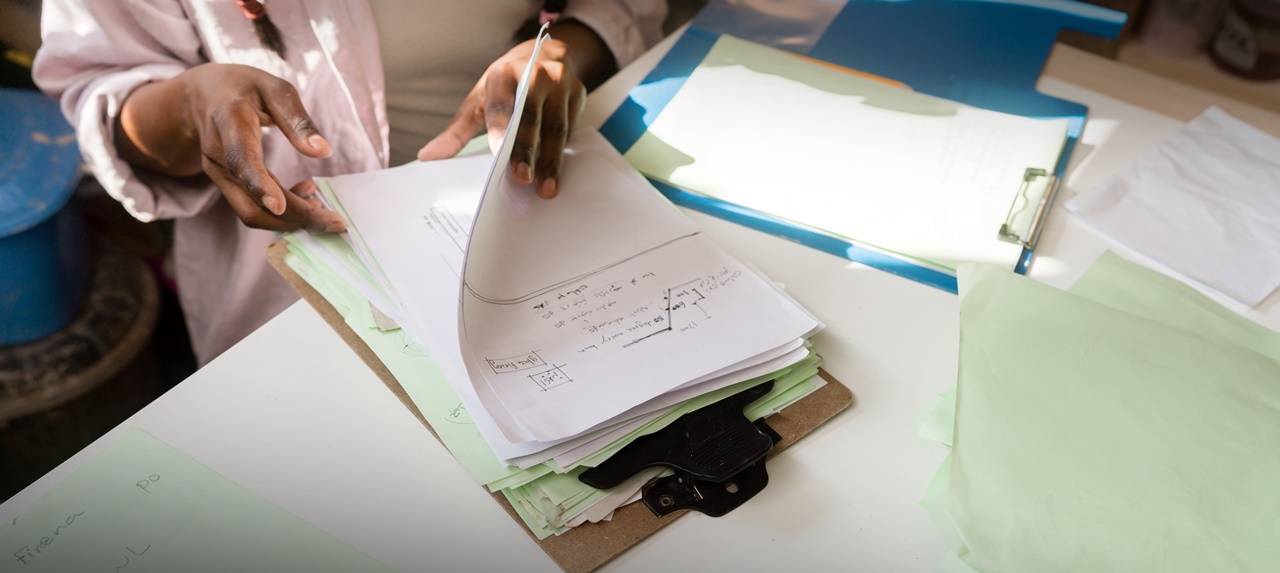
(551, 10)
(268, 33)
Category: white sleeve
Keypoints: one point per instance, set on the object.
(628, 27)
(93, 55)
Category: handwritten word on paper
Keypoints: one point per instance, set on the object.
(515, 363)
(28, 553)
(618, 315)
(140, 505)
(600, 311)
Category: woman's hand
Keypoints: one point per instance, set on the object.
(209, 119)
(557, 95)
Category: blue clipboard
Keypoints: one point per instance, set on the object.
(983, 53)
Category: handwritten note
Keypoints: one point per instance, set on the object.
(607, 340)
(141, 505)
(620, 296)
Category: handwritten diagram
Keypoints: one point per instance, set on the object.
(604, 313)
(550, 378)
(545, 378)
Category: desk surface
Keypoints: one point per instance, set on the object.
(291, 414)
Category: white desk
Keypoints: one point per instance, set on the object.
(292, 414)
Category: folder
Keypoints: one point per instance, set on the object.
(991, 62)
(586, 547)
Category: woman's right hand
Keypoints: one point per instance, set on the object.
(209, 120)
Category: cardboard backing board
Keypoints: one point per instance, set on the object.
(587, 547)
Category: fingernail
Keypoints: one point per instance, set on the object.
(523, 172)
(319, 144)
(272, 204)
(335, 227)
(547, 189)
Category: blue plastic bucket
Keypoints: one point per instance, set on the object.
(43, 252)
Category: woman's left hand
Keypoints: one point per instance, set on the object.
(556, 99)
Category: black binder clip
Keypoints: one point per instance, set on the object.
(716, 452)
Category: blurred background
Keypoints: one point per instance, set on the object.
(90, 328)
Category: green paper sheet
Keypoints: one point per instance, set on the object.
(938, 424)
(1138, 290)
(141, 505)
(1138, 431)
(417, 373)
(543, 497)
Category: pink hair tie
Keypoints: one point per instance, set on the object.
(253, 9)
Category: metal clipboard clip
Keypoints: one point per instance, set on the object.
(1029, 209)
(717, 455)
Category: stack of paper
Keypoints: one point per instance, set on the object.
(1130, 424)
(540, 336)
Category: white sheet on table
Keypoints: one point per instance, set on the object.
(1205, 203)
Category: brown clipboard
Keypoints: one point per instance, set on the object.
(591, 545)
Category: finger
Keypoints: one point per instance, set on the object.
(307, 191)
(244, 206)
(238, 150)
(465, 125)
(524, 151)
(552, 139)
(309, 214)
(577, 104)
(280, 101)
(315, 202)
(500, 102)
(302, 213)
(306, 211)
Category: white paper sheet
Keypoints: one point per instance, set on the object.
(580, 308)
(671, 400)
(572, 451)
(1205, 203)
(901, 171)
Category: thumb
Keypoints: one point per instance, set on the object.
(443, 146)
(460, 130)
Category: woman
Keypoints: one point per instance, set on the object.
(218, 113)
